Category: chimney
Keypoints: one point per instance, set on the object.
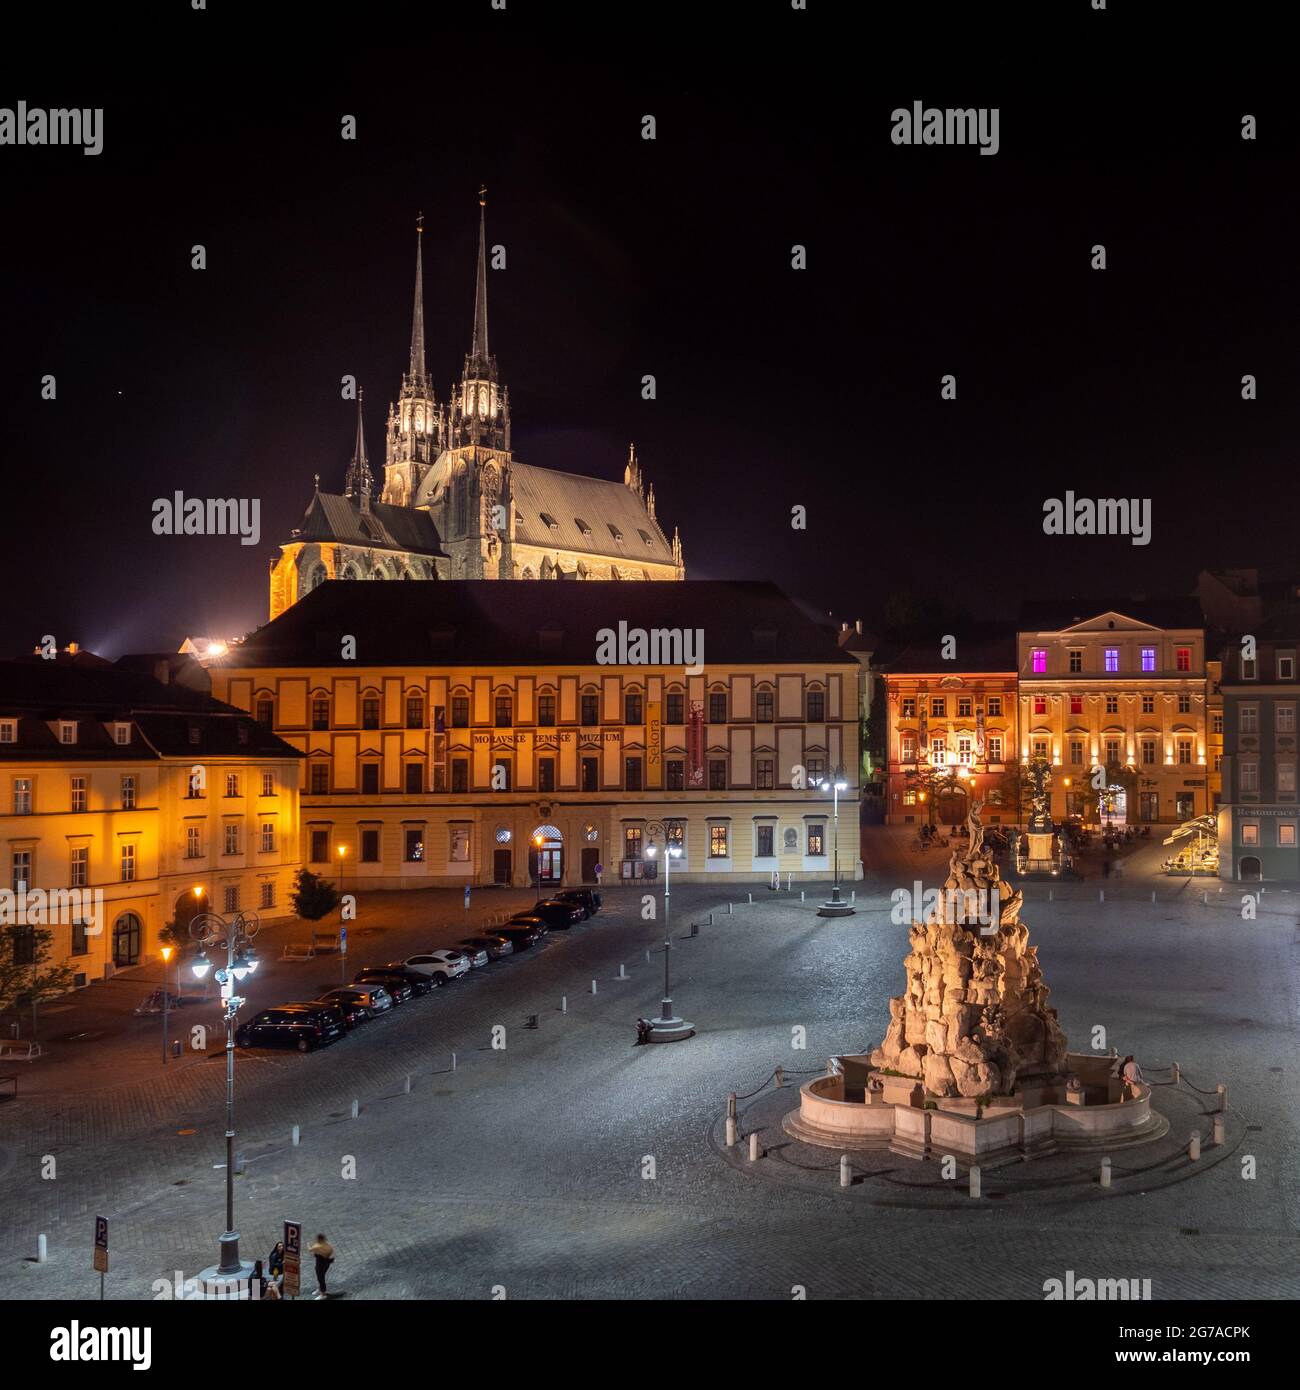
(859, 627)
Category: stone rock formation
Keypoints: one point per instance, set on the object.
(974, 1016)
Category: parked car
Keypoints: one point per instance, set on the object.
(400, 989)
(448, 964)
(519, 936)
(304, 1026)
(530, 919)
(582, 897)
(495, 946)
(557, 914)
(476, 955)
(357, 1003)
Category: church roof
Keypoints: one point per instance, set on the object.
(466, 622)
(554, 508)
(331, 517)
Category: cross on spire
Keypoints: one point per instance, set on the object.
(479, 347)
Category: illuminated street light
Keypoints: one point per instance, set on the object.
(836, 907)
(667, 1027)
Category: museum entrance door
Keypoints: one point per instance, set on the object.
(546, 856)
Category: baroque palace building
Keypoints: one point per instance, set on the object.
(951, 731)
(128, 782)
(457, 504)
(467, 732)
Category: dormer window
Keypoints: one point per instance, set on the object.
(646, 537)
(8, 731)
(195, 734)
(67, 731)
(616, 533)
(582, 526)
(550, 521)
(121, 734)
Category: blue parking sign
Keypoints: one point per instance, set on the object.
(467, 895)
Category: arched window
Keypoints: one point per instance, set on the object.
(414, 708)
(504, 707)
(313, 578)
(460, 501)
(126, 940)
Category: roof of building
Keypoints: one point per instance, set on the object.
(166, 719)
(982, 652)
(332, 517)
(1056, 615)
(495, 622)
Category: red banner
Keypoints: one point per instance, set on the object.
(695, 745)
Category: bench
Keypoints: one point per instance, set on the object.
(20, 1051)
(298, 950)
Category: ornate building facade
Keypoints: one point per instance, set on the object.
(457, 504)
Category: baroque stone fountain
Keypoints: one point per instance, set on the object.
(974, 1061)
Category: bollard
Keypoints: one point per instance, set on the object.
(1223, 1096)
(1049, 895)
(453, 1061)
(1218, 1130)
(564, 1003)
(801, 895)
(1177, 1074)
(1153, 895)
(975, 1182)
(622, 971)
(789, 881)
(731, 1104)
(731, 1131)
(1101, 895)
(41, 1250)
(1205, 899)
(296, 1137)
(780, 1076)
(647, 957)
(846, 1172)
(853, 895)
(1194, 1147)
(532, 1021)
(1105, 1172)
(751, 897)
(754, 1153)
(593, 986)
(406, 1089)
(730, 909)
(356, 1109)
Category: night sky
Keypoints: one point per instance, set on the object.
(671, 257)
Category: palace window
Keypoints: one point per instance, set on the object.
(1040, 704)
(907, 748)
(546, 710)
(1076, 704)
(546, 774)
(1148, 751)
(414, 783)
(938, 707)
(370, 779)
(1040, 748)
(460, 774)
(632, 839)
(1184, 751)
(1112, 751)
(370, 846)
(590, 774)
(230, 897)
(22, 796)
(719, 847)
(504, 711)
(414, 712)
(632, 774)
(193, 842)
(121, 734)
(1038, 663)
(675, 713)
(1286, 666)
(1286, 781)
(1249, 668)
(1076, 751)
(1076, 660)
(816, 770)
(264, 712)
(907, 707)
(764, 775)
(1249, 722)
(320, 712)
(370, 712)
(717, 775)
(763, 842)
(320, 779)
(676, 775)
(67, 731)
(232, 784)
(231, 839)
(717, 707)
(459, 846)
(963, 751)
(79, 867)
(20, 876)
(460, 711)
(78, 793)
(1285, 719)
(413, 846)
(128, 863)
(1112, 659)
(1184, 704)
(128, 793)
(1148, 658)
(268, 895)
(764, 705)
(590, 709)
(268, 784)
(632, 708)
(816, 706)
(938, 752)
(1184, 659)
(1250, 832)
(816, 840)
(1148, 704)
(320, 846)
(1286, 832)
(268, 837)
(8, 731)
(995, 706)
(995, 748)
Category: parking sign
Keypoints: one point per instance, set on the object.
(101, 1244)
(292, 1256)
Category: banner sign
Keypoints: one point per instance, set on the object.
(654, 744)
(695, 745)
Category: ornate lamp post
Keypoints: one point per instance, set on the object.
(667, 1027)
(166, 952)
(835, 907)
(213, 934)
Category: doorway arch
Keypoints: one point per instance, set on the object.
(1249, 871)
(546, 856)
(126, 940)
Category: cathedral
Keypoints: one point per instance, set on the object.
(457, 504)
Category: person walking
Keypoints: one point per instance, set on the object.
(1132, 1074)
(324, 1253)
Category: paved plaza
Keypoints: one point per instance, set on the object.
(572, 1164)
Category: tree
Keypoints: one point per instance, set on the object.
(1017, 787)
(26, 974)
(313, 898)
(934, 782)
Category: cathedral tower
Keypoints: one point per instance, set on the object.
(417, 426)
(480, 407)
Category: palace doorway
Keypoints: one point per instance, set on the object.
(546, 856)
(126, 940)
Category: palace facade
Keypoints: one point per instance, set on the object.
(457, 504)
(466, 733)
(128, 782)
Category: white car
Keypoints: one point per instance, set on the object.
(448, 964)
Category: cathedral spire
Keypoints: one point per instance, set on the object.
(479, 348)
(357, 484)
(632, 472)
(417, 322)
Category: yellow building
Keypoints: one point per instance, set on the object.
(472, 732)
(127, 783)
(457, 504)
(1119, 684)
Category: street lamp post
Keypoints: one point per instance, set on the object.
(835, 907)
(212, 933)
(667, 1027)
(166, 953)
(538, 842)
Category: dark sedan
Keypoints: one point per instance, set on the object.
(420, 982)
(304, 1026)
(397, 985)
(495, 946)
(586, 898)
(350, 1004)
(556, 914)
(519, 936)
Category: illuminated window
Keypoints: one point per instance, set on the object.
(1039, 661)
(1148, 658)
(719, 847)
(907, 707)
(632, 839)
(995, 706)
(78, 793)
(22, 796)
(1250, 832)
(128, 863)
(1184, 658)
(413, 846)
(816, 840)
(1076, 704)
(1040, 704)
(128, 793)
(268, 837)
(995, 748)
